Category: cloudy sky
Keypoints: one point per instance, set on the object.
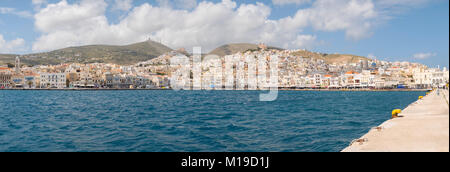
(394, 30)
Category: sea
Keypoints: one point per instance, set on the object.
(191, 121)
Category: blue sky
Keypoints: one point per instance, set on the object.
(404, 30)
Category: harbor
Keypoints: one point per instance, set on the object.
(421, 127)
(205, 121)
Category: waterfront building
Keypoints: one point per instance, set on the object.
(109, 78)
(18, 80)
(85, 80)
(336, 82)
(30, 81)
(326, 81)
(379, 82)
(438, 77)
(117, 81)
(5, 80)
(367, 79)
(317, 80)
(310, 81)
(420, 77)
(427, 78)
(353, 79)
(53, 80)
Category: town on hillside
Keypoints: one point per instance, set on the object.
(294, 72)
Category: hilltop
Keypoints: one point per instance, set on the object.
(229, 49)
(123, 55)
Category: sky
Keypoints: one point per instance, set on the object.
(392, 30)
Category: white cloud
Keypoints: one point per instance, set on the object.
(285, 2)
(400, 3)
(164, 3)
(123, 5)
(186, 4)
(15, 45)
(13, 11)
(355, 17)
(305, 41)
(38, 2)
(180, 4)
(389, 8)
(207, 24)
(422, 56)
(63, 24)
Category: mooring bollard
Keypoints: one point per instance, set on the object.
(395, 113)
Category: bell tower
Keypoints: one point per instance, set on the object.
(17, 68)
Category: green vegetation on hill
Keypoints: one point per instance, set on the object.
(123, 55)
(134, 53)
(235, 48)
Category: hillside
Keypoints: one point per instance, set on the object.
(124, 55)
(134, 53)
(330, 58)
(6, 58)
(235, 48)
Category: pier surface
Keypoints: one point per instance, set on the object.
(424, 127)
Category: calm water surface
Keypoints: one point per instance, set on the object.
(166, 121)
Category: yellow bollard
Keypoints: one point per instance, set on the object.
(395, 113)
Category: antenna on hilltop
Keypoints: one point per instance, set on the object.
(163, 35)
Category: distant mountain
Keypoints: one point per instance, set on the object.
(229, 49)
(123, 55)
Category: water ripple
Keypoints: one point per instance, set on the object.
(202, 121)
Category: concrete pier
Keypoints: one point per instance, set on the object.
(424, 127)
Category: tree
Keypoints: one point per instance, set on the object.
(30, 84)
(67, 83)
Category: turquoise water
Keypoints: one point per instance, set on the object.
(205, 121)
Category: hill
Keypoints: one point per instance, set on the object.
(139, 52)
(229, 49)
(330, 58)
(7, 58)
(123, 55)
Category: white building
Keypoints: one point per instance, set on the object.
(438, 78)
(430, 77)
(53, 80)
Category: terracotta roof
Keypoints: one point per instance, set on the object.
(351, 72)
